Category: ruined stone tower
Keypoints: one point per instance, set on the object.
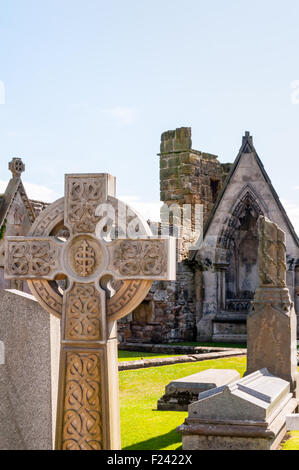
(189, 176)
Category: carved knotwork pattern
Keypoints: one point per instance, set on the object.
(32, 258)
(139, 258)
(85, 259)
(83, 315)
(51, 218)
(84, 196)
(82, 423)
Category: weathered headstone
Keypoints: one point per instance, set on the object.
(272, 323)
(88, 404)
(249, 414)
(29, 362)
(182, 392)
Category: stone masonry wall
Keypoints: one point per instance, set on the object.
(171, 315)
(187, 176)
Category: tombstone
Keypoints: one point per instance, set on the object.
(29, 362)
(180, 393)
(249, 414)
(94, 267)
(272, 322)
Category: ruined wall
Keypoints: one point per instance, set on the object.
(187, 176)
(167, 313)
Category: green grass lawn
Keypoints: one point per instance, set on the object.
(292, 443)
(142, 426)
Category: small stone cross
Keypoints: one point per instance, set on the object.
(88, 403)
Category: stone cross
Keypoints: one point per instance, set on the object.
(88, 403)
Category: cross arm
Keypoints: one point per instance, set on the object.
(143, 258)
(32, 258)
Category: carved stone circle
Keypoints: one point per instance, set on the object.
(84, 261)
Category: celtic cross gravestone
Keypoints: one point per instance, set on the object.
(88, 404)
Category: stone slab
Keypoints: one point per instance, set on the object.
(249, 414)
(251, 398)
(29, 375)
(180, 393)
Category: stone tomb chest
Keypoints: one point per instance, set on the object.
(182, 392)
(249, 414)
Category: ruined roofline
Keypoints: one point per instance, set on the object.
(179, 141)
(248, 147)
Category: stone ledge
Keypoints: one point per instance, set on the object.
(171, 349)
(165, 361)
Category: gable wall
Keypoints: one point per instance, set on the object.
(247, 176)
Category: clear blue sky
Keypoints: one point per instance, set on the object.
(91, 85)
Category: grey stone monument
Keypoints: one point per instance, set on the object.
(30, 344)
(249, 414)
(182, 392)
(272, 322)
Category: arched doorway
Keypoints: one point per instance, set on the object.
(240, 242)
